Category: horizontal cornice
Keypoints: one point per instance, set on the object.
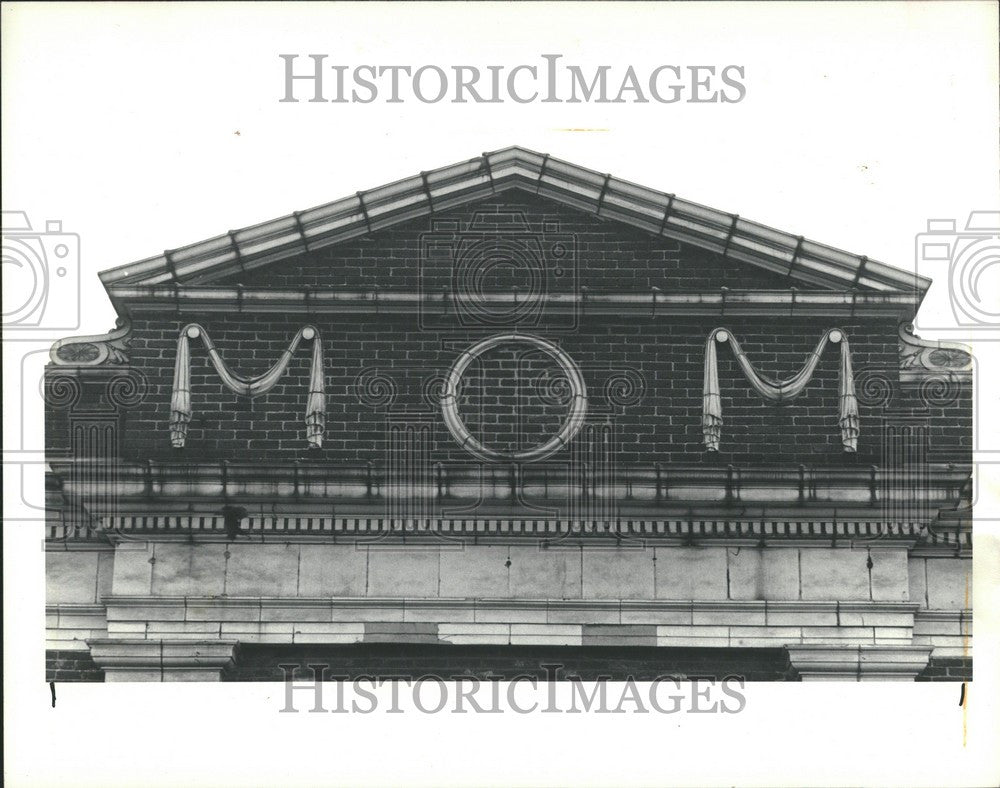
(681, 493)
(185, 299)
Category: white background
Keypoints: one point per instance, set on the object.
(147, 127)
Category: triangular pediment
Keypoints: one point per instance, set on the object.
(762, 256)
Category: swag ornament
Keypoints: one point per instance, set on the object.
(778, 391)
(180, 401)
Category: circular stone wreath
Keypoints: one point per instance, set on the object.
(571, 425)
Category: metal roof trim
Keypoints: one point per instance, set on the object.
(602, 195)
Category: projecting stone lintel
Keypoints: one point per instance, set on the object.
(162, 660)
(858, 663)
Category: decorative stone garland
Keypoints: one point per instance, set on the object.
(778, 390)
(180, 401)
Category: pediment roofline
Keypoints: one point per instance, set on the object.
(804, 262)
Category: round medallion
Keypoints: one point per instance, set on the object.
(570, 426)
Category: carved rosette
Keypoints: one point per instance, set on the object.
(921, 360)
(96, 350)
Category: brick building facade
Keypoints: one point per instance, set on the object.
(532, 415)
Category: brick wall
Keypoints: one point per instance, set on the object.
(577, 250)
(947, 669)
(658, 421)
(642, 373)
(63, 665)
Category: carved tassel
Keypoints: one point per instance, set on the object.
(316, 406)
(180, 400)
(850, 423)
(711, 414)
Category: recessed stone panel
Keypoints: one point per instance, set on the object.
(618, 573)
(333, 570)
(474, 571)
(890, 580)
(188, 569)
(71, 577)
(691, 573)
(133, 569)
(545, 573)
(831, 573)
(403, 571)
(949, 583)
(262, 570)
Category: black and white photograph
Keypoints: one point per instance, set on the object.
(425, 390)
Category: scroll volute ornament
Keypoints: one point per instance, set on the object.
(94, 350)
(922, 359)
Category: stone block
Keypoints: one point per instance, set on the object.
(448, 631)
(240, 628)
(917, 569)
(692, 641)
(790, 615)
(545, 573)
(619, 635)
(546, 634)
(278, 612)
(394, 572)
(72, 619)
(894, 633)
(333, 570)
(262, 570)
(653, 615)
(105, 573)
(327, 637)
(780, 566)
(763, 573)
(733, 617)
(835, 574)
(368, 613)
(781, 633)
(890, 580)
(691, 573)
(474, 571)
(168, 628)
(692, 631)
(188, 569)
(335, 628)
(582, 614)
(148, 611)
(859, 633)
(875, 618)
(745, 572)
(439, 613)
(133, 569)
(746, 641)
(71, 576)
(66, 645)
(949, 583)
(221, 612)
(511, 615)
(619, 573)
(128, 629)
